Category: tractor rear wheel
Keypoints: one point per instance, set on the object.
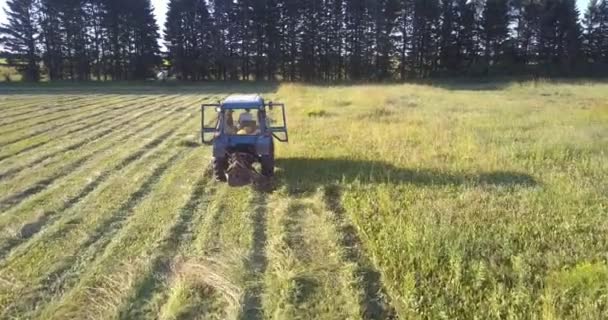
(220, 165)
(267, 163)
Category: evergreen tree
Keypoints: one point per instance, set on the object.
(53, 38)
(189, 36)
(425, 37)
(143, 48)
(305, 40)
(559, 43)
(402, 38)
(20, 34)
(494, 29)
(595, 26)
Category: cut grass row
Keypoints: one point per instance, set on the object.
(40, 211)
(95, 238)
(31, 144)
(44, 127)
(36, 111)
(127, 255)
(86, 133)
(38, 125)
(79, 183)
(30, 184)
(17, 103)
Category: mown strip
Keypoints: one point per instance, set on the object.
(58, 125)
(48, 215)
(64, 235)
(73, 109)
(374, 301)
(307, 277)
(29, 188)
(142, 234)
(27, 125)
(257, 262)
(26, 187)
(33, 114)
(31, 143)
(84, 139)
(33, 105)
(209, 278)
(150, 290)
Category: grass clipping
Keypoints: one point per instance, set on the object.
(194, 282)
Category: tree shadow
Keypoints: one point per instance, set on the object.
(137, 87)
(471, 83)
(304, 175)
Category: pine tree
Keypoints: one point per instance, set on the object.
(190, 37)
(595, 26)
(495, 29)
(143, 47)
(603, 31)
(559, 43)
(425, 37)
(53, 39)
(20, 36)
(385, 14)
(402, 38)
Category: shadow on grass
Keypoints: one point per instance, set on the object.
(486, 83)
(137, 87)
(303, 175)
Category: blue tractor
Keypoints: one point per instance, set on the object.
(242, 130)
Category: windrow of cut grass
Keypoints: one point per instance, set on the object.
(89, 133)
(43, 100)
(52, 107)
(22, 135)
(151, 290)
(76, 185)
(99, 234)
(309, 269)
(64, 194)
(29, 185)
(30, 144)
(125, 259)
(64, 117)
(205, 279)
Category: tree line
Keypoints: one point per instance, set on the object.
(311, 40)
(81, 39)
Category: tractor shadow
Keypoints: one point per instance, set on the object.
(305, 175)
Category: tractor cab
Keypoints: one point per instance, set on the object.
(242, 130)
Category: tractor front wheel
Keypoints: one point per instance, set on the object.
(220, 165)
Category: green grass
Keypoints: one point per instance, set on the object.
(444, 201)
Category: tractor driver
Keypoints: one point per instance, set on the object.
(247, 123)
(245, 117)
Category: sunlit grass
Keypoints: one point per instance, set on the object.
(470, 200)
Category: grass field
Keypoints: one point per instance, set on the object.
(452, 201)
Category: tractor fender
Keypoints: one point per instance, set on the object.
(263, 146)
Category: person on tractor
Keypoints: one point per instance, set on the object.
(245, 116)
(247, 124)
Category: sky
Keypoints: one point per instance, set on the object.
(160, 8)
